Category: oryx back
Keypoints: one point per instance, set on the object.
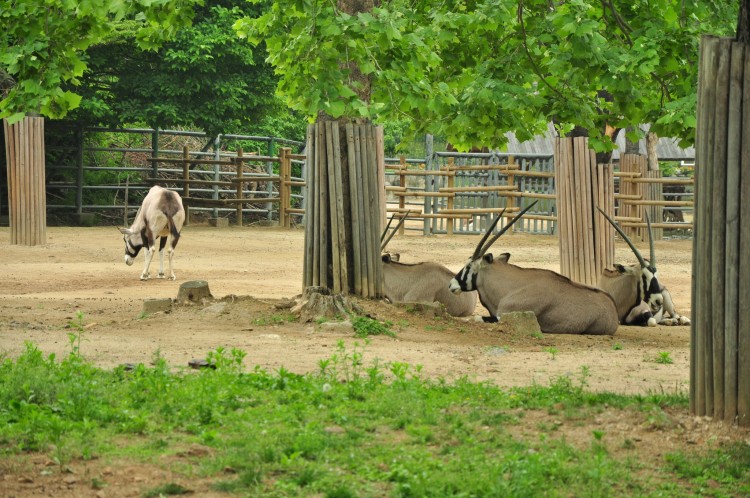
(425, 282)
(561, 306)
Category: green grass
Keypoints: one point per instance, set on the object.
(349, 429)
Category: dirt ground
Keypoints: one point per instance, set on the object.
(253, 271)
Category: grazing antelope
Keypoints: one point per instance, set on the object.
(561, 306)
(425, 282)
(640, 298)
(161, 215)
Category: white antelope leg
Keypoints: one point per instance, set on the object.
(149, 254)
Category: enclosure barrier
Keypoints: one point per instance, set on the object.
(236, 185)
(499, 196)
(641, 192)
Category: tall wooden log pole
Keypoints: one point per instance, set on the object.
(344, 217)
(27, 197)
(720, 331)
(585, 235)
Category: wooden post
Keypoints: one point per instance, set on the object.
(402, 183)
(720, 330)
(285, 188)
(451, 200)
(510, 201)
(186, 178)
(27, 201)
(239, 163)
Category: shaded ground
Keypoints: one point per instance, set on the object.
(254, 271)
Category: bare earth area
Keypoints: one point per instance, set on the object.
(253, 271)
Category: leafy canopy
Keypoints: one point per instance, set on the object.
(202, 78)
(42, 45)
(473, 70)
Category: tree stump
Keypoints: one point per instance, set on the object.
(194, 292)
(318, 302)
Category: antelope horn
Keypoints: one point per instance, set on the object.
(506, 227)
(478, 251)
(400, 222)
(650, 242)
(385, 230)
(625, 238)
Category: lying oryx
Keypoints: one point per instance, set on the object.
(561, 306)
(160, 216)
(425, 282)
(640, 298)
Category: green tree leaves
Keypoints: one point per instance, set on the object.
(472, 70)
(42, 45)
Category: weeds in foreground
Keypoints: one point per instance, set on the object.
(364, 326)
(664, 358)
(352, 428)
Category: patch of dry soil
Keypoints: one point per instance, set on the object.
(254, 271)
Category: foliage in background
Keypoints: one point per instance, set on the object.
(42, 46)
(204, 78)
(473, 71)
(351, 429)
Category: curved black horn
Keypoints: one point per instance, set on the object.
(478, 251)
(400, 222)
(650, 241)
(625, 238)
(505, 228)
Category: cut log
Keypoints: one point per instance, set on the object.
(318, 302)
(194, 292)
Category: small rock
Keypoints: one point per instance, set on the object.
(157, 305)
(521, 322)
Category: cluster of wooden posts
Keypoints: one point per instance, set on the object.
(344, 209)
(246, 169)
(26, 180)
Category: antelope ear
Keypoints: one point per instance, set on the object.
(124, 230)
(395, 257)
(504, 257)
(488, 258)
(386, 258)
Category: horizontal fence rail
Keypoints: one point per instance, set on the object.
(249, 177)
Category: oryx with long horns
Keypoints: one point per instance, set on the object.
(424, 282)
(561, 306)
(640, 298)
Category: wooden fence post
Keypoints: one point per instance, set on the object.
(240, 165)
(450, 169)
(186, 179)
(720, 330)
(27, 198)
(285, 188)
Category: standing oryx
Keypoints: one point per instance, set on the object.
(160, 215)
(640, 298)
(425, 282)
(561, 306)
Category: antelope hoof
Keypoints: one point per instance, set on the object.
(144, 277)
(161, 275)
(173, 277)
(683, 320)
(651, 322)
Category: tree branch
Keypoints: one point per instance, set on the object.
(622, 23)
(528, 53)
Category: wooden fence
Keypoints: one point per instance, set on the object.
(245, 175)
